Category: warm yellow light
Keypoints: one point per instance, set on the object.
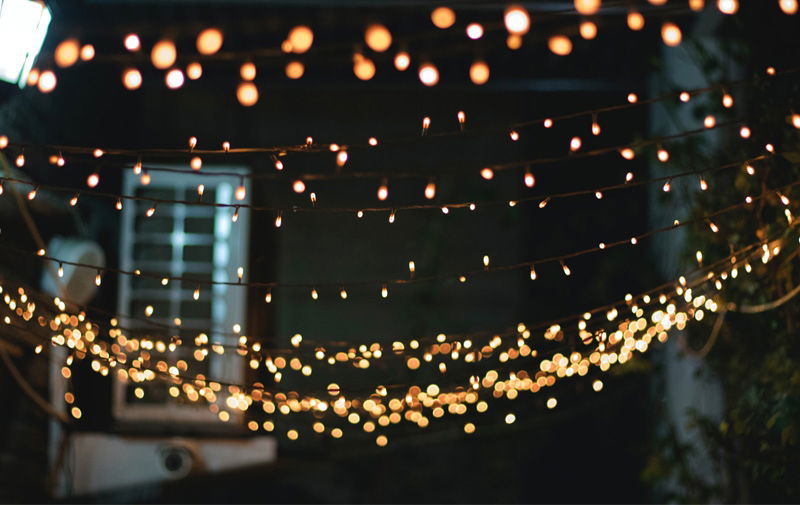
(402, 60)
(295, 70)
(363, 67)
(430, 190)
(67, 53)
(131, 78)
(728, 6)
(727, 101)
(87, 52)
(196, 163)
(560, 45)
(163, 54)
(588, 30)
(428, 74)
(241, 192)
(510, 418)
(479, 72)
(378, 37)
(132, 42)
(300, 38)
(174, 78)
(597, 385)
(443, 17)
(298, 186)
(383, 192)
(796, 120)
(744, 132)
(788, 6)
(575, 144)
(709, 121)
(474, 31)
(247, 71)
(671, 34)
(632, 98)
(93, 180)
(663, 155)
(529, 179)
(514, 41)
(517, 20)
(247, 94)
(3, 141)
(635, 21)
(487, 173)
(194, 70)
(551, 403)
(209, 41)
(47, 81)
(587, 7)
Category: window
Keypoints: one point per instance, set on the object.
(189, 241)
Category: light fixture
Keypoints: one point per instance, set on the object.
(23, 26)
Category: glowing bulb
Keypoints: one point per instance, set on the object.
(247, 71)
(372, 141)
(118, 205)
(666, 187)
(74, 200)
(131, 79)
(93, 180)
(710, 121)
(462, 117)
(383, 192)
(47, 81)
(268, 297)
(145, 179)
(486, 261)
(551, 403)
(663, 155)
(671, 34)
(196, 294)
(196, 163)
(796, 120)
(402, 60)
(163, 54)
(87, 52)
(411, 267)
(728, 6)
(750, 170)
(529, 179)
(703, 184)
(514, 135)
(384, 291)
(629, 177)
(595, 128)
(98, 279)
(150, 212)
(632, 98)
(713, 227)
(548, 123)
(697, 5)
(788, 6)
(194, 71)
(430, 190)
(300, 39)
(517, 20)
(278, 221)
(479, 72)
(247, 94)
(597, 385)
(174, 78)
(298, 186)
(627, 153)
(474, 31)
(684, 97)
(295, 69)
(378, 37)
(209, 41)
(3, 141)
(635, 21)
(20, 161)
(428, 74)
(426, 123)
(566, 269)
(241, 192)
(487, 173)
(67, 53)
(560, 45)
(364, 68)
(341, 158)
(132, 42)
(575, 144)
(443, 17)
(533, 273)
(587, 7)
(727, 101)
(588, 30)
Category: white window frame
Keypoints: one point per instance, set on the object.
(231, 250)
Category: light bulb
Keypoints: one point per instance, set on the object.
(209, 41)
(300, 39)
(428, 74)
(443, 17)
(378, 37)
(402, 61)
(132, 42)
(487, 173)
(241, 192)
(517, 20)
(93, 180)
(163, 54)
(474, 31)
(529, 179)
(430, 190)
(560, 45)
(383, 192)
(298, 186)
(671, 34)
(635, 21)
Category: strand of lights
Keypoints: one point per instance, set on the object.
(312, 147)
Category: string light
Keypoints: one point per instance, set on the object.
(378, 37)
(443, 17)
(278, 221)
(194, 70)
(529, 179)
(300, 39)
(74, 200)
(430, 190)
(635, 21)
(588, 30)
(402, 60)
(487, 173)
(209, 41)
(247, 94)
(295, 69)
(745, 132)
(575, 144)
(663, 155)
(728, 6)
(47, 81)
(67, 53)
(428, 74)
(363, 67)
(383, 191)
(132, 42)
(163, 54)
(87, 52)
(131, 79)
(709, 121)
(560, 45)
(174, 78)
(788, 6)
(517, 20)
(671, 34)
(474, 31)
(247, 71)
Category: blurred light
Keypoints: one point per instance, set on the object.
(209, 41)
(587, 7)
(23, 26)
(474, 31)
(728, 6)
(295, 70)
(300, 39)
(588, 30)
(671, 34)
(428, 74)
(788, 6)
(132, 42)
(247, 94)
(363, 67)
(247, 71)
(479, 72)
(174, 78)
(163, 54)
(517, 20)
(131, 78)
(47, 81)
(443, 17)
(635, 21)
(194, 71)
(87, 52)
(67, 53)
(402, 60)
(378, 37)
(560, 45)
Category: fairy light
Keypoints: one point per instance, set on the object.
(633, 98)
(445, 210)
(629, 177)
(294, 69)
(240, 273)
(3, 141)
(713, 227)
(402, 61)
(595, 127)
(426, 124)
(235, 215)
(391, 217)
(247, 94)
(132, 42)
(60, 270)
(529, 179)
(163, 54)
(268, 296)
(588, 30)
(151, 211)
(363, 68)
(745, 132)
(666, 187)
(513, 135)
(547, 123)
(462, 118)
(201, 188)
(485, 261)
(47, 81)
(226, 146)
(784, 199)
(635, 21)
(533, 273)
(474, 31)
(372, 141)
(384, 291)
(487, 173)
(87, 52)
(796, 120)
(313, 197)
(551, 403)
(194, 70)
(32, 193)
(209, 41)
(788, 6)
(516, 20)
(709, 121)
(575, 144)
(20, 161)
(703, 184)
(443, 17)
(343, 294)
(750, 169)
(383, 191)
(627, 153)
(145, 179)
(298, 186)
(684, 97)
(728, 6)
(241, 192)
(174, 78)
(278, 220)
(727, 100)
(770, 148)
(74, 200)
(560, 45)
(671, 34)
(697, 5)
(411, 267)
(428, 74)
(314, 294)
(118, 205)
(430, 190)
(378, 37)
(565, 268)
(663, 155)
(131, 79)
(341, 158)
(98, 278)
